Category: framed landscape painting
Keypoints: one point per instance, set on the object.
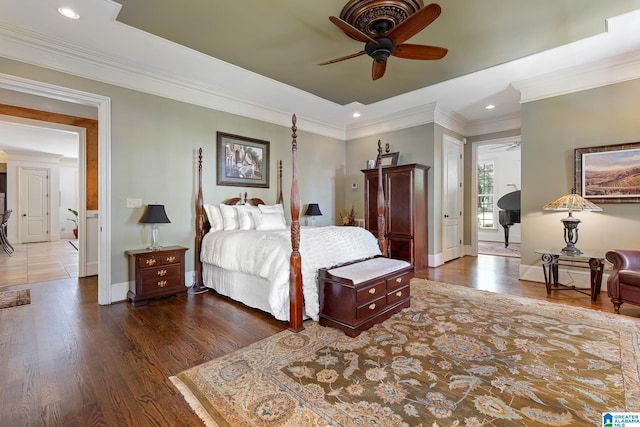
(242, 161)
(608, 173)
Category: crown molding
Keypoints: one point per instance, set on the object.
(575, 79)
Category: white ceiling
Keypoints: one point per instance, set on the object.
(100, 47)
(31, 136)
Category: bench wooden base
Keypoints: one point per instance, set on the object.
(355, 307)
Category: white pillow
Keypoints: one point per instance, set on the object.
(271, 208)
(269, 221)
(229, 217)
(245, 218)
(214, 217)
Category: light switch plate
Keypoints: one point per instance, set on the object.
(134, 203)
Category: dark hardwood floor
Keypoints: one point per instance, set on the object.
(66, 361)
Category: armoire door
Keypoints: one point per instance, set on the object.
(399, 215)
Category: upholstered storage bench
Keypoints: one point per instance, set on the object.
(355, 296)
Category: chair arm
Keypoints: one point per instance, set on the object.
(624, 259)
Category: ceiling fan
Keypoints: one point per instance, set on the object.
(387, 35)
(507, 146)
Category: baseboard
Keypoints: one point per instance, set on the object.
(119, 291)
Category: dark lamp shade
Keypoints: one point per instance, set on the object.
(313, 210)
(154, 214)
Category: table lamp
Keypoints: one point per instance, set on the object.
(573, 203)
(313, 210)
(154, 214)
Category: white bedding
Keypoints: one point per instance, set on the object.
(266, 254)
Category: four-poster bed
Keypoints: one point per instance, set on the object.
(273, 268)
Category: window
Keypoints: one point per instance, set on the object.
(486, 214)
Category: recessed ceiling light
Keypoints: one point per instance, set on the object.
(356, 114)
(490, 107)
(68, 13)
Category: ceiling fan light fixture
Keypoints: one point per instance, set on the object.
(367, 15)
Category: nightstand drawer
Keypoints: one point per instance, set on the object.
(166, 272)
(160, 284)
(157, 259)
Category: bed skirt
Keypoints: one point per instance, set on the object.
(250, 290)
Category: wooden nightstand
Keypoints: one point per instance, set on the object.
(155, 274)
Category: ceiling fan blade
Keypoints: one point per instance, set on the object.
(354, 55)
(417, 51)
(350, 30)
(414, 23)
(378, 68)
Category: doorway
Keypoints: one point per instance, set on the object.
(496, 179)
(48, 94)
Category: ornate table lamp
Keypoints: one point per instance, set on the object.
(154, 214)
(573, 203)
(313, 210)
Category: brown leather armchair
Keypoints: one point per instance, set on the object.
(623, 284)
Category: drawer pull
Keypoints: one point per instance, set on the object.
(151, 261)
(399, 280)
(162, 283)
(399, 293)
(372, 291)
(372, 306)
(162, 273)
(171, 258)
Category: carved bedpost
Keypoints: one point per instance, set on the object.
(382, 241)
(280, 199)
(296, 299)
(198, 284)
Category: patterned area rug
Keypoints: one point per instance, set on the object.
(497, 248)
(14, 298)
(457, 357)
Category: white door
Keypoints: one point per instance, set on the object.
(34, 206)
(452, 177)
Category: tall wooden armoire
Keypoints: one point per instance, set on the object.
(405, 197)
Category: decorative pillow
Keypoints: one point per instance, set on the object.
(229, 217)
(245, 218)
(214, 216)
(269, 221)
(273, 209)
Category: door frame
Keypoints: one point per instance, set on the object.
(103, 105)
(474, 185)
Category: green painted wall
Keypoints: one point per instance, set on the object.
(551, 131)
(154, 144)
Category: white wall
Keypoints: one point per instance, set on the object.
(68, 196)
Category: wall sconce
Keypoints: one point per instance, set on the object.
(154, 214)
(313, 210)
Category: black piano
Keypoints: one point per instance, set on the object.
(509, 212)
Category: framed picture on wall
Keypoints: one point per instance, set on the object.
(608, 173)
(389, 159)
(242, 161)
